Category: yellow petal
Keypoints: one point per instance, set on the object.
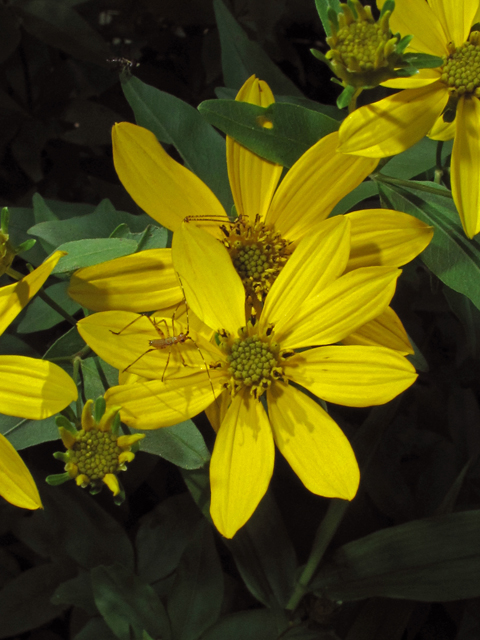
(162, 187)
(465, 165)
(314, 185)
(312, 443)
(385, 331)
(252, 179)
(442, 130)
(212, 286)
(16, 483)
(393, 124)
(317, 261)
(217, 411)
(423, 78)
(347, 304)
(155, 404)
(144, 281)
(411, 17)
(241, 465)
(382, 237)
(354, 376)
(111, 481)
(123, 340)
(15, 296)
(456, 17)
(34, 389)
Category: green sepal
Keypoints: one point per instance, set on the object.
(61, 421)
(422, 60)
(5, 219)
(388, 6)
(25, 246)
(116, 424)
(403, 43)
(332, 16)
(61, 455)
(346, 96)
(353, 8)
(320, 56)
(95, 489)
(57, 479)
(119, 499)
(99, 409)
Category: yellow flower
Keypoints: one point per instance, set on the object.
(271, 220)
(311, 303)
(95, 453)
(30, 388)
(440, 28)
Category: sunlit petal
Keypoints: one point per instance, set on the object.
(355, 376)
(383, 237)
(16, 296)
(144, 281)
(252, 179)
(465, 165)
(162, 187)
(313, 443)
(16, 483)
(217, 411)
(241, 465)
(423, 78)
(384, 331)
(442, 130)
(155, 404)
(393, 124)
(213, 288)
(456, 17)
(314, 185)
(34, 389)
(347, 304)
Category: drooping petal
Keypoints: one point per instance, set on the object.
(213, 288)
(241, 465)
(442, 130)
(155, 404)
(252, 179)
(340, 309)
(317, 261)
(217, 411)
(16, 483)
(456, 17)
(123, 340)
(355, 376)
(393, 124)
(312, 443)
(162, 187)
(111, 480)
(16, 296)
(465, 165)
(144, 281)
(383, 237)
(384, 331)
(34, 389)
(314, 185)
(411, 17)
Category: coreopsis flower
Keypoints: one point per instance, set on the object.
(312, 303)
(271, 221)
(442, 102)
(30, 388)
(96, 453)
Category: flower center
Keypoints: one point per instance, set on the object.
(254, 361)
(6, 253)
(96, 453)
(461, 70)
(358, 44)
(258, 254)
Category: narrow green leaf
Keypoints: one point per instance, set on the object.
(176, 122)
(182, 444)
(242, 58)
(295, 129)
(26, 433)
(423, 60)
(86, 253)
(433, 559)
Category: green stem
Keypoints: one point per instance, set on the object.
(325, 532)
(77, 361)
(439, 164)
(56, 307)
(353, 102)
(409, 184)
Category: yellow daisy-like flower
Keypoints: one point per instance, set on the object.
(30, 388)
(312, 303)
(271, 220)
(441, 28)
(95, 453)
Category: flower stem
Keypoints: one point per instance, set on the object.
(56, 307)
(353, 102)
(77, 361)
(325, 532)
(439, 165)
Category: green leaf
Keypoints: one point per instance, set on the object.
(25, 601)
(40, 316)
(265, 555)
(23, 433)
(242, 58)
(322, 8)
(76, 592)
(64, 349)
(416, 160)
(453, 258)
(365, 190)
(346, 96)
(295, 129)
(94, 629)
(91, 122)
(86, 253)
(128, 604)
(196, 597)
(176, 122)
(41, 210)
(422, 60)
(182, 444)
(163, 535)
(198, 483)
(433, 559)
(258, 624)
(150, 238)
(97, 377)
(56, 24)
